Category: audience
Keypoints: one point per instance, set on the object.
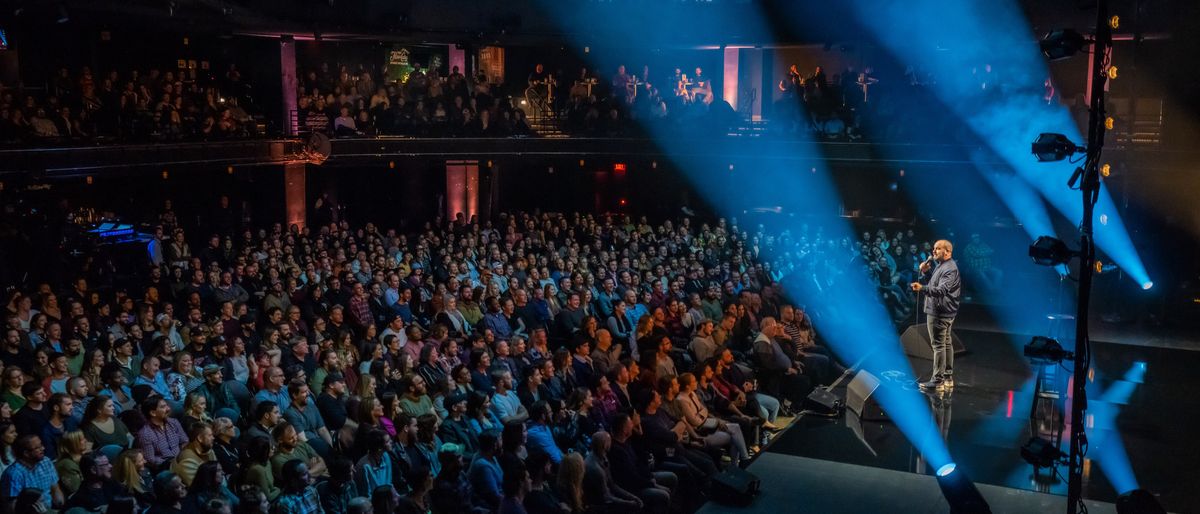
(657, 355)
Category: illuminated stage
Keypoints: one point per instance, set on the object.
(1139, 407)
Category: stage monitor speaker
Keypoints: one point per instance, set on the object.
(860, 400)
(735, 486)
(916, 342)
(823, 401)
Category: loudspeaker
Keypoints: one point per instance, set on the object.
(859, 400)
(735, 486)
(821, 400)
(916, 342)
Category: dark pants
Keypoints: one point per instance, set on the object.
(943, 349)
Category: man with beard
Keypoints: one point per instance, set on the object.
(15, 354)
(217, 393)
(98, 488)
(288, 446)
(195, 453)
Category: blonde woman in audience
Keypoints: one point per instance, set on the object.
(71, 448)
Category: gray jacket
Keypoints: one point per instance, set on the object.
(942, 289)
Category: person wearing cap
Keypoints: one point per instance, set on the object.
(451, 492)
(456, 428)
(331, 403)
(250, 334)
(221, 401)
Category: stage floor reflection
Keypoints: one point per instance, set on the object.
(1143, 407)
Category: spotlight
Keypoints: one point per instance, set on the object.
(1051, 147)
(1105, 170)
(1044, 350)
(1041, 453)
(1109, 122)
(960, 492)
(1114, 22)
(1138, 501)
(1049, 251)
(1112, 73)
(1061, 44)
(1147, 285)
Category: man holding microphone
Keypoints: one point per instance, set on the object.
(941, 288)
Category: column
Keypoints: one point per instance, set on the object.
(729, 88)
(287, 66)
(750, 73)
(462, 188)
(295, 197)
(457, 57)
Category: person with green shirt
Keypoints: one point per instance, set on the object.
(415, 401)
(326, 364)
(14, 378)
(288, 446)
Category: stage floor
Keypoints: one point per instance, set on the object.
(1142, 407)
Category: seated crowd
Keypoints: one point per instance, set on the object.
(425, 104)
(540, 363)
(127, 105)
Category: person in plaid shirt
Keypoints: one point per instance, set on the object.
(162, 438)
(31, 469)
(298, 496)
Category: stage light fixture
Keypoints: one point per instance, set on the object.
(1050, 251)
(1105, 170)
(1147, 285)
(1112, 73)
(1114, 22)
(1061, 44)
(1044, 350)
(1138, 501)
(960, 493)
(1109, 123)
(1050, 147)
(1041, 453)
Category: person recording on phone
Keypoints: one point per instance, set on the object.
(940, 283)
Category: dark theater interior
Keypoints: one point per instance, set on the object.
(599, 256)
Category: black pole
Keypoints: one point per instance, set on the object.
(1090, 189)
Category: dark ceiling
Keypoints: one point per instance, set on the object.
(662, 23)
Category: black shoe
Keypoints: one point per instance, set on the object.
(932, 385)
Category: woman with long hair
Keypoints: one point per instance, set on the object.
(71, 448)
(37, 328)
(550, 296)
(236, 362)
(479, 413)
(8, 436)
(370, 411)
(41, 362)
(564, 370)
(208, 485)
(101, 425)
(183, 377)
(93, 365)
(391, 407)
(430, 369)
(258, 467)
(131, 472)
(569, 483)
(368, 388)
(195, 408)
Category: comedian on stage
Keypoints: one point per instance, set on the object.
(939, 282)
